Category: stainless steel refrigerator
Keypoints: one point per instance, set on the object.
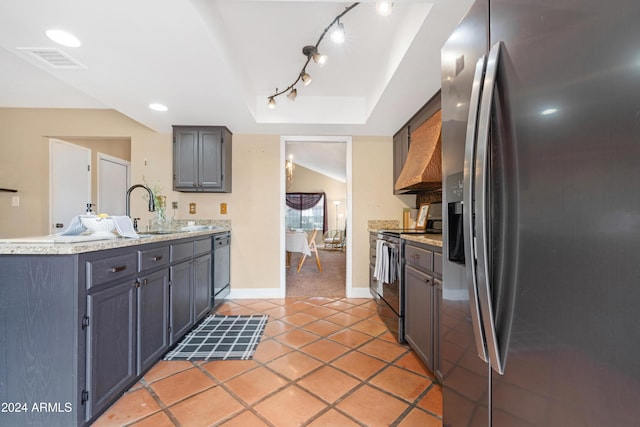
(541, 163)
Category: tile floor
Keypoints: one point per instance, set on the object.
(321, 362)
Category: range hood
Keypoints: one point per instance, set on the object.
(423, 168)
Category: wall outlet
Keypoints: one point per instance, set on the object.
(15, 201)
(192, 208)
(223, 208)
(174, 205)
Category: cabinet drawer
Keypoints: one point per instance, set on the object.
(418, 257)
(153, 258)
(372, 239)
(202, 246)
(180, 251)
(437, 263)
(222, 240)
(107, 269)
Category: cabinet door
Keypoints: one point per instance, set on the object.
(153, 318)
(418, 313)
(210, 159)
(185, 159)
(400, 151)
(437, 303)
(180, 300)
(111, 337)
(202, 286)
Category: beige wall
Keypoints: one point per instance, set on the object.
(372, 198)
(253, 206)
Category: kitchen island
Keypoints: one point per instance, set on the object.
(82, 322)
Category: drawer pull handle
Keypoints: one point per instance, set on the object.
(157, 258)
(118, 269)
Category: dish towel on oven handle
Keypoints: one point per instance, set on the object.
(386, 267)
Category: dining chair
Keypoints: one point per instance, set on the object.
(313, 249)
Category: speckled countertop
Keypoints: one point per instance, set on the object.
(99, 245)
(429, 239)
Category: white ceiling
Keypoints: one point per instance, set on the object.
(217, 61)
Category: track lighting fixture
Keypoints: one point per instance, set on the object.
(311, 52)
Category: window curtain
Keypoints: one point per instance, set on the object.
(303, 201)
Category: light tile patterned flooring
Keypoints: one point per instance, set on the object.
(321, 362)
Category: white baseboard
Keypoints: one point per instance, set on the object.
(257, 293)
(359, 293)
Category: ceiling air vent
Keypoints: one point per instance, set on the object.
(53, 57)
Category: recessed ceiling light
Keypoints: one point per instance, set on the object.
(158, 107)
(64, 38)
(384, 8)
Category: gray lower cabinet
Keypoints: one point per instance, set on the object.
(423, 296)
(180, 290)
(111, 343)
(153, 318)
(419, 313)
(127, 319)
(203, 273)
(190, 285)
(77, 330)
(202, 159)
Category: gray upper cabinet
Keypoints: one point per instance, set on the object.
(202, 159)
(400, 151)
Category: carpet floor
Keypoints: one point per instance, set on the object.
(309, 282)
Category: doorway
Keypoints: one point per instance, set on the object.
(113, 182)
(70, 181)
(322, 165)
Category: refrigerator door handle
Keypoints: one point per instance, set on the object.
(467, 210)
(481, 189)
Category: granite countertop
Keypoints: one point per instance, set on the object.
(98, 245)
(429, 239)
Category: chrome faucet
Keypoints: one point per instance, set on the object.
(152, 204)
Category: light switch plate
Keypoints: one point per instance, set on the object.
(192, 208)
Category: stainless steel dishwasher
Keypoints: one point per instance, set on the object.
(221, 264)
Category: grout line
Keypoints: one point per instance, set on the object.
(302, 305)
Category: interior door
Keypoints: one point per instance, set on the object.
(113, 182)
(70, 182)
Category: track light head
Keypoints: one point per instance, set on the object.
(272, 103)
(312, 53)
(337, 35)
(292, 95)
(306, 79)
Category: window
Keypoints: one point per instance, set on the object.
(306, 211)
